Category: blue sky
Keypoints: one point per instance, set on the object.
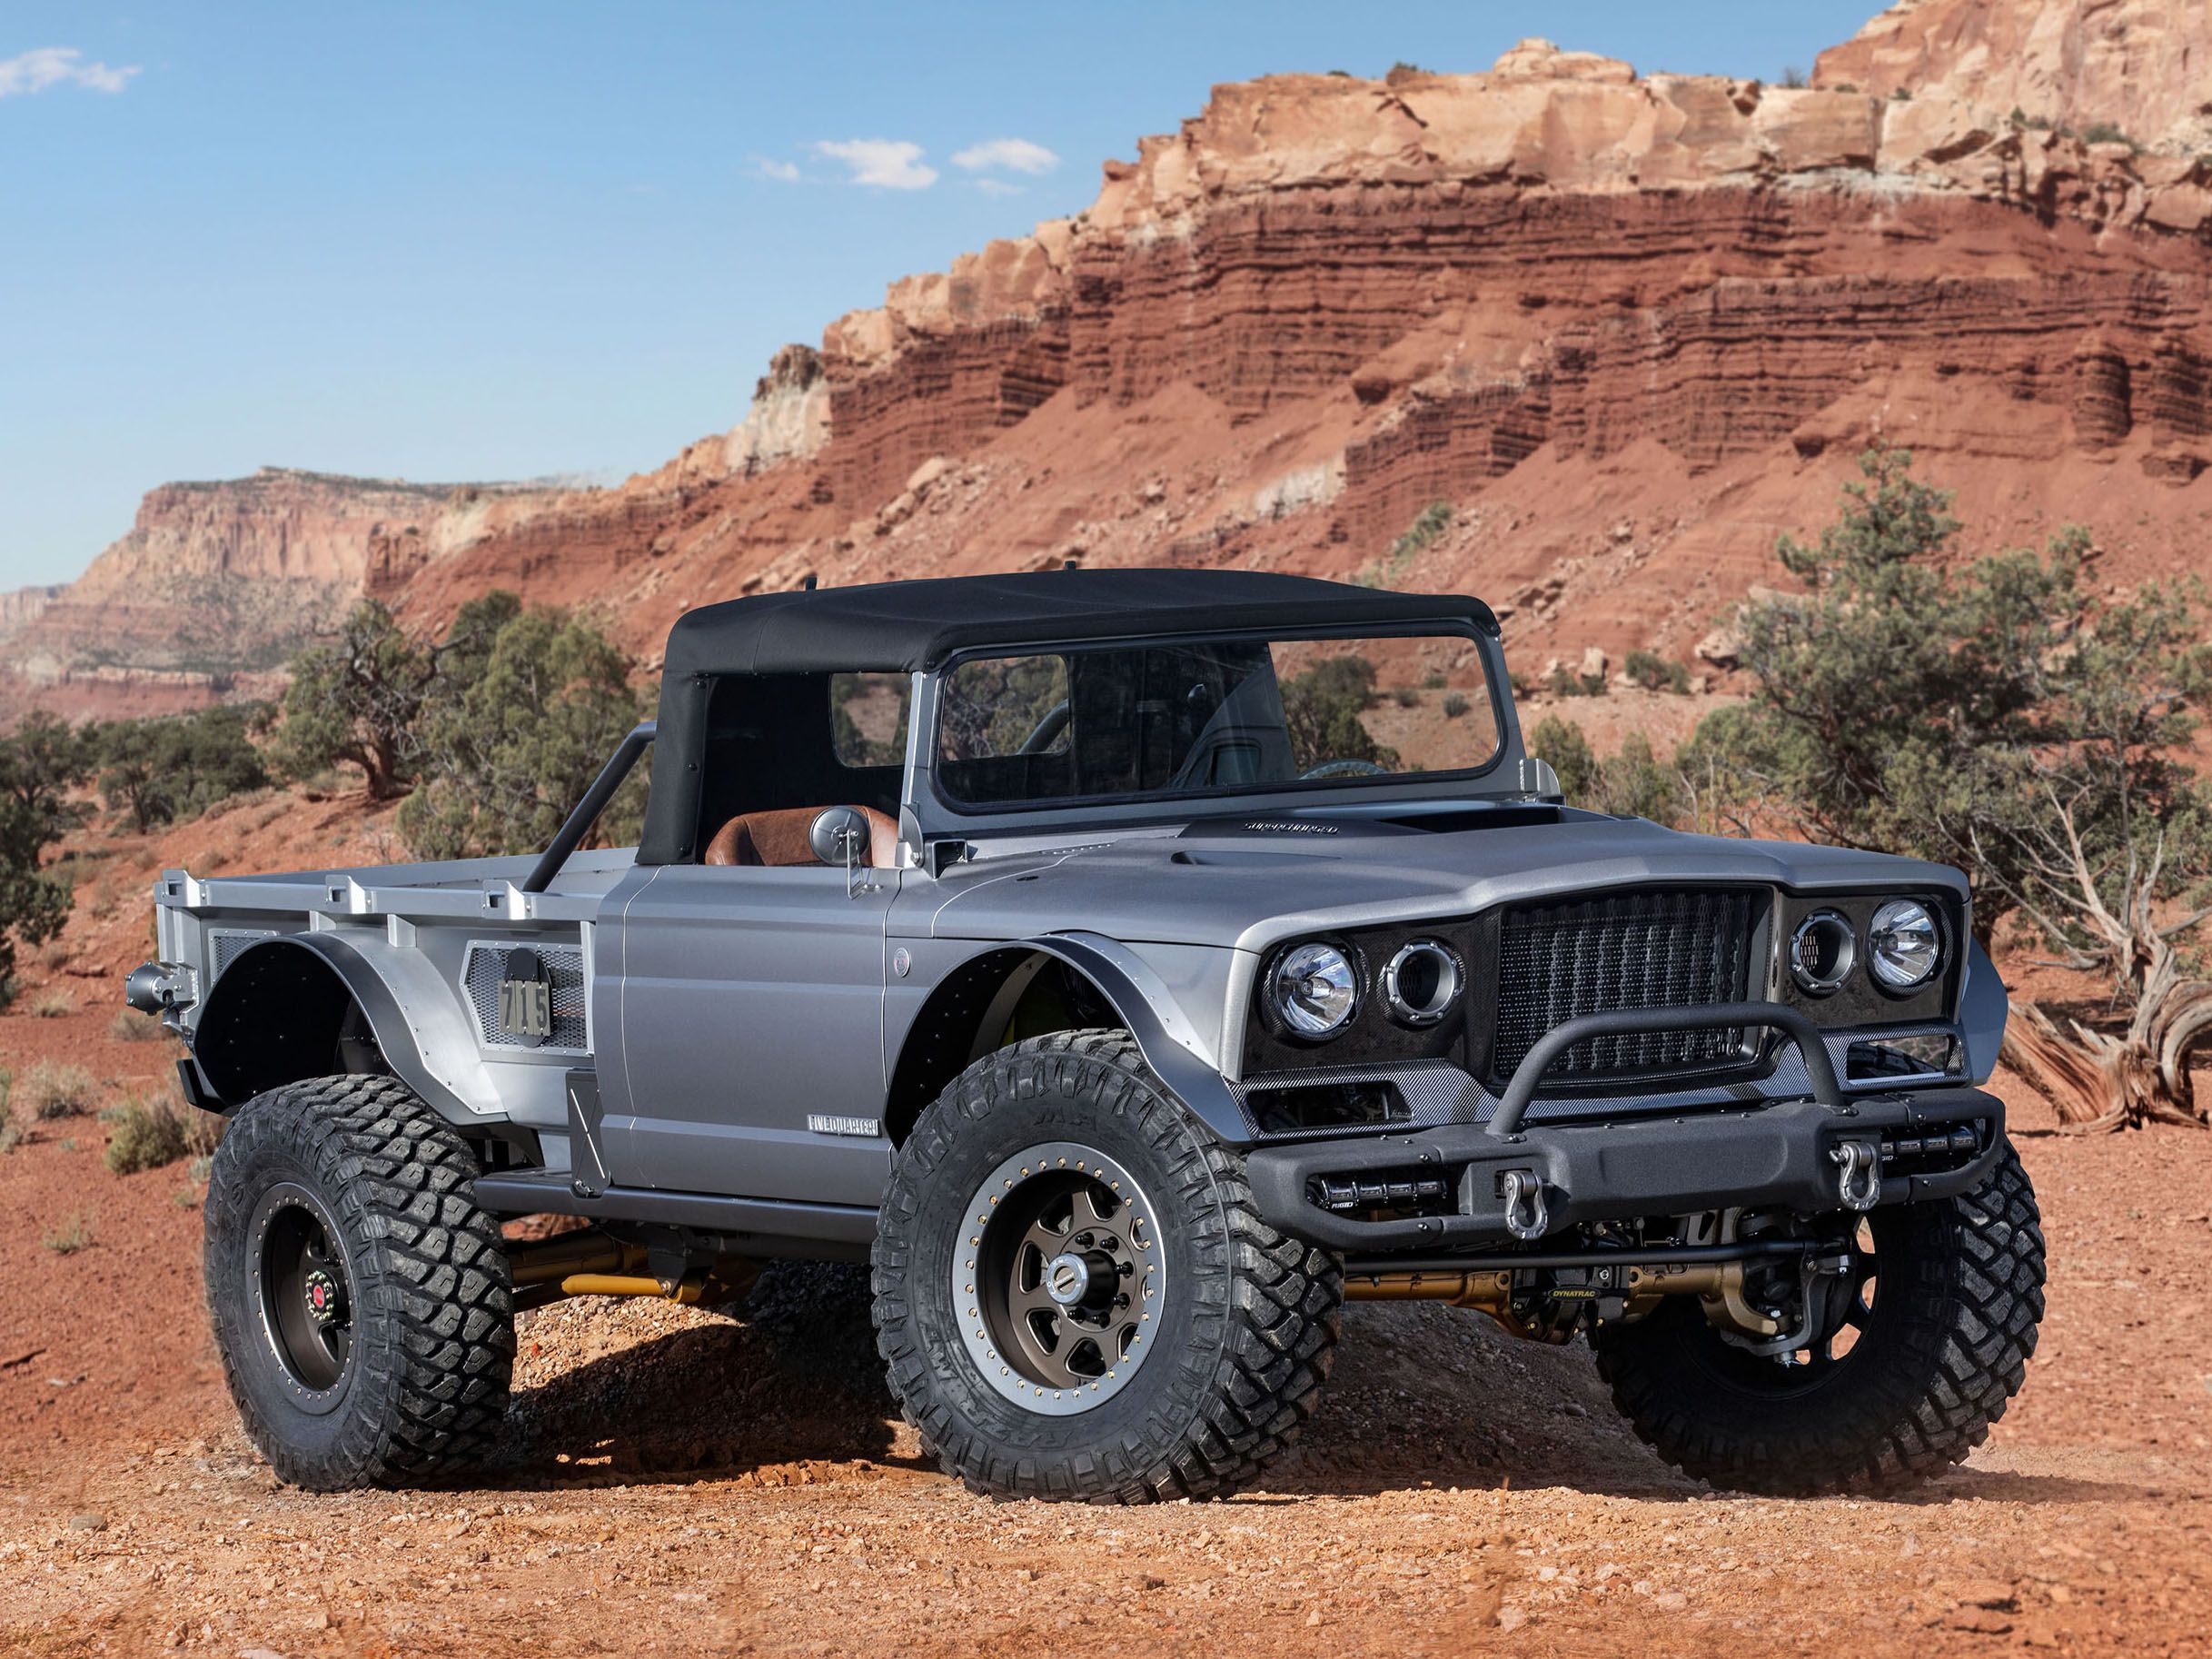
(449, 241)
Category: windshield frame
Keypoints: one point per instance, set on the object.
(925, 737)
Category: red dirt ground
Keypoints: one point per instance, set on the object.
(734, 1481)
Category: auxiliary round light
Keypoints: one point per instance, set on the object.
(1823, 950)
(1421, 983)
(1313, 990)
(1905, 945)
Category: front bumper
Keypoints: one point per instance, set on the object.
(1474, 1184)
(1784, 1155)
(1507, 1179)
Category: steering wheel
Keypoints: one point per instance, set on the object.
(1344, 769)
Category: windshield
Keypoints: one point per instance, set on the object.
(1194, 717)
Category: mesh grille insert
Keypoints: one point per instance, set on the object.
(1562, 958)
(226, 944)
(564, 967)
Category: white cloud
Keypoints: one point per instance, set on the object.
(58, 66)
(1013, 155)
(891, 163)
(783, 173)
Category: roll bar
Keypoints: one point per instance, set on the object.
(577, 824)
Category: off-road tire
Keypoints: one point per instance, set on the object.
(1918, 1393)
(424, 1384)
(1250, 1320)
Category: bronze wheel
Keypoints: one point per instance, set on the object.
(1061, 1278)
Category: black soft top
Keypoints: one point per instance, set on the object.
(890, 626)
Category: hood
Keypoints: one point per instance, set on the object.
(1251, 883)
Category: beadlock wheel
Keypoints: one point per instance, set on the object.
(298, 1283)
(359, 1296)
(1075, 1296)
(1059, 1278)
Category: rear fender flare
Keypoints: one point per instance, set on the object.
(238, 1043)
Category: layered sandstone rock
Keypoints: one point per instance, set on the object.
(2139, 66)
(1631, 328)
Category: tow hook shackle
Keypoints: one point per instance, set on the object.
(1858, 1181)
(1525, 1216)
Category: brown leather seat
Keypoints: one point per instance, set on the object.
(778, 839)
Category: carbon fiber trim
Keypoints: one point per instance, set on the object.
(1437, 1093)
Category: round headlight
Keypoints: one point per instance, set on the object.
(1822, 950)
(1905, 944)
(1313, 990)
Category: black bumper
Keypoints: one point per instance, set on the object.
(1930, 1144)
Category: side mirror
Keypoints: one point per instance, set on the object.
(840, 837)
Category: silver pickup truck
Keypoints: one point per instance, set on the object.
(1133, 965)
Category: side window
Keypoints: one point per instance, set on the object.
(992, 707)
(868, 718)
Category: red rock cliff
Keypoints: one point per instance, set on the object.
(217, 583)
(1631, 328)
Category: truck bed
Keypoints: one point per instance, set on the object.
(438, 937)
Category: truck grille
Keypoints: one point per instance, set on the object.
(1562, 958)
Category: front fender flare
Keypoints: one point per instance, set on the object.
(1164, 1034)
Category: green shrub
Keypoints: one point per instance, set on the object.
(130, 1026)
(155, 771)
(2107, 132)
(1631, 783)
(1321, 708)
(1566, 682)
(1654, 673)
(1406, 697)
(52, 1090)
(1562, 745)
(67, 1238)
(1455, 704)
(1433, 521)
(527, 706)
(153, 1132)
